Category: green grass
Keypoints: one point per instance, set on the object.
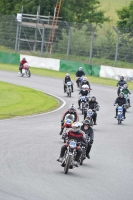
(61, 75)
(22, 101)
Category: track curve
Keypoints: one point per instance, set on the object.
(29, 148)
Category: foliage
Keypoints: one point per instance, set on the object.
(125, 17)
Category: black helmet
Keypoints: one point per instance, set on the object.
(121, 94)
(93, 98)
(122, 78)
(86, 122)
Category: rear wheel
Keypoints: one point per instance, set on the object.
(68, 162)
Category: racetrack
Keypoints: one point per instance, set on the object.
(29, 147)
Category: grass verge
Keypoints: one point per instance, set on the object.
(22, 101)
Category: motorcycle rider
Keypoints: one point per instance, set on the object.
(67, 79)
(83, 92)
(77, 134)
(85, 82)
(126, 92)
(89, 135)
(22, 62)
(79, 73)
(120, 83)
(71, 111)
(120, 101)
(93, 105)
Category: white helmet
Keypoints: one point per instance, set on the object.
(80, 68)
(86, 86)
(125, 86)
(83, 87)
(84, 78)
(76, 126)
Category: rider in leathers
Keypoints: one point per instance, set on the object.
(120, 101)
(67, 79)
(89, 135)
(76, 134)
(120, 83)
(22, 62)
(83, 92)
(93, 104)
(79, 73)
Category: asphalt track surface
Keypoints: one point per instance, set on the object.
(29, 147)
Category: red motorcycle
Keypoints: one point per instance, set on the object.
(25, 70)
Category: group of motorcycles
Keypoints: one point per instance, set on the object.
(70, 153)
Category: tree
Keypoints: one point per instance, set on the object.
(71, 10)
(82, 11)
(125, 17)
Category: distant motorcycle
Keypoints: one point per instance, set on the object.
(79, 84)
(69, 88)
(25, 70)
(83, 101)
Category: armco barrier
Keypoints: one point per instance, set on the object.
(9, 58)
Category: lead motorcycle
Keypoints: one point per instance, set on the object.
(70, 155)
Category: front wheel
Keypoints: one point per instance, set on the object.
(119, 121)
(81, 159)
(68, 162)
(28, 73)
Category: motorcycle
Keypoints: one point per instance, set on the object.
(83, 101)
(69, 157)
(120, 88)
(69, 88)
(79, 84)
(126, 96)
(67, 124)
(119, 116)
(88, 115)
(25, 70)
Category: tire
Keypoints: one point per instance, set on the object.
(81, 159)
(68, 162)
(82, 108)
(119, 121)
(28, 73)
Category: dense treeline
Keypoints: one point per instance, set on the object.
(71, 10)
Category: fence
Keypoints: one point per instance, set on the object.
(70, 41)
